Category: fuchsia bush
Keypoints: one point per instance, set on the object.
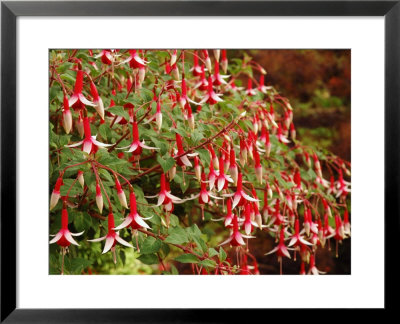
(164, 152)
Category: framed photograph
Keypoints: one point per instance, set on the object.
(187, 155)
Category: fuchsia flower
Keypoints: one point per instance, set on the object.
(120, 193)
(261, 86)
(297, 239)
(346, 223)
(232, 86)
(55, 195)
(248, 222)
(183, 160)
(342, 186)
(78, 99)
(240, 197)
(90, 144)
(313, 269)
(197, 168)
(184, 99)
(136, 145)
(106, 56)
(229, 215)
(257, 165)
(250, 91)
(281, 250)
(165, 197)
(67, 116)
(224, 61)
(207, 59)
(211, 97)
(214, 158)
(204, 195)
(222, 179)
(111, 238)
(173, 57)
(99, 198)
(236, 238)
(280, 136)
(157, 116)
(217, 78)
(196, 69)
(212, 176)
(309, 225)
(98, 103)
(203, 83)
(135, 61)
(133, 220)
(64, 237)
(265, 139)
(233, 169)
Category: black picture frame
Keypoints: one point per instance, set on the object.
(10, 10)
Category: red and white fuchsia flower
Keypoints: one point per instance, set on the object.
(240, 197)
(211, 97)
(98, 103)
(136, 146)
(90, 144)
(67, 116)
(111, 238)
(133, 220)
(55, 195)
(78, 100)
(64, 237)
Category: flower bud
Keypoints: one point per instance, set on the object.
(55, 195)
(80, 178)
(99, 198)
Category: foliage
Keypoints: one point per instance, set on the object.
(163, 163)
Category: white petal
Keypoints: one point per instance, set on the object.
(249, 198)
(185, 161)
(272, 251)
(98, 239)
(74, 145)
(122, 241)
(56, 238)
(85, 101)
(204, 197)
(72, 100)
(236, 200)
(109, 244)
(221, 183)
(161, 199)
(77, 234)
(96, 142)
(124, 224)
(70, 239)
(141, 222)
(227, 241)
(172, 197)
(148, 147)
(133, 147)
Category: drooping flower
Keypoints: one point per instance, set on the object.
(257, 165)
(64, 237)
(133, 220)
(67, 116)
(261, 86)
(111, 238)
(235, 238)
(207, 59)
(313, 269)
(55, 195)
(182, 160)
(99, 198)
(217, 78)
(98, 103)
(120, 193)
(240, 197)
(224, 61)
(222, 179)
(78, 99)
(211, 97)
(90, 144)
(250, 91)
(164, 196)
(196, 69)
(281, 249)
(106, 56)
(296, 238)
(136, 145)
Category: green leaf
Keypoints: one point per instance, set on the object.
(187, 258)
(148, 259)
(222, 254)
(176, 235)
(146, 94)
(166, 164)
(212, 252)
(208, 263)
(119, 111)
(150, 245)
